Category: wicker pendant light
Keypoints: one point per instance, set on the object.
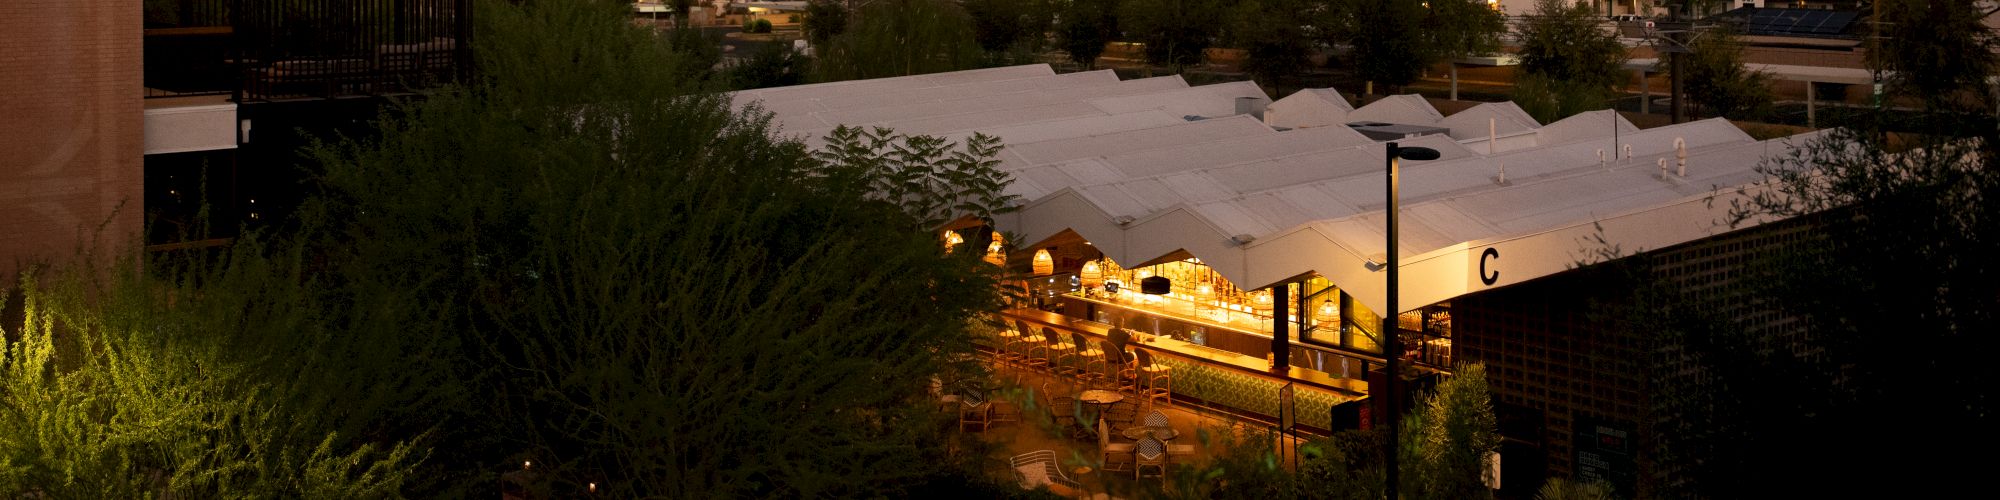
(1044, 264)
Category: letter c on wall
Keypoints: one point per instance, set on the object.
(1488, 279)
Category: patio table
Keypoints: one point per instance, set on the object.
(1160, 433)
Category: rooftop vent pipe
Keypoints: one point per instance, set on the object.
(1681, 156)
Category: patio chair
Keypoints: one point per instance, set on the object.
(1038, 468)
(946, 401)
(1149, 453)
(1062, 409)
(1158, 419)
(1153, 375)
(1004, 411)
(1116, 456)
(1122, 414)
(974, 409)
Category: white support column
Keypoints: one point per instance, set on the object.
(1645, 95)
(1454, 80)
(1812, 115)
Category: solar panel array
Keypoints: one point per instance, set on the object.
(1810, 22)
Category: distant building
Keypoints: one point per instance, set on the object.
(153, 109)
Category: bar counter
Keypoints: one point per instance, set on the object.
(1201, 355)
(1227, 337)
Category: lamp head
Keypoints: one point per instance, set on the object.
(1415, 153)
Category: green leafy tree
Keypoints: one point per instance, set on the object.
(825, 19)
(1870, 233)
(772, 65)
(1454, 29)
(1564, 42)
(1569, 64)
(924, 175)
(1938, 52)
(1277, 45)
(1386, 38)
(1717, 80)
(999, 24)
(1011, 31)
(702, 50)
(1086, 26)
(1901, 237)
(899, 38)
(1458, 431)
(1548, 100)
(1177, 33)
(653, 295)
(219, 380)
(1563, 489)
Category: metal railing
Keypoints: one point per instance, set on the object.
(261, 50)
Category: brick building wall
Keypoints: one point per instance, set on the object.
(1556, 357)
(71, 126)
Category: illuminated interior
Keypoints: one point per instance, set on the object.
(1200, 306)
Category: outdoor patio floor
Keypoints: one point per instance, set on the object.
(1080, 457)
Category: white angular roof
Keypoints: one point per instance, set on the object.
(1146, 168)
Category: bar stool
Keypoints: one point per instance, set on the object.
(1057, 351)
(1128, 370)
(1153, 374)
(1087, 356)
(1009, 335)
(1030, 341)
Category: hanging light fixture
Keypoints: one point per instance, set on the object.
(1260, 301)
(1044, 265)
(1093, 275)
(993, 254)
(1327, 311)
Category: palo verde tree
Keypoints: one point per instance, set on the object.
(899, 38)
(1177, 33)
(1084, 27)
(653, 294)
(1569, 63)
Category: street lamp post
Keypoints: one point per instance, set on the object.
(1391, 350)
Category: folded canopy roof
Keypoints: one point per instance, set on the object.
(1147, 168)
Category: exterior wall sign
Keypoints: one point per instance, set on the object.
(1484, 277)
